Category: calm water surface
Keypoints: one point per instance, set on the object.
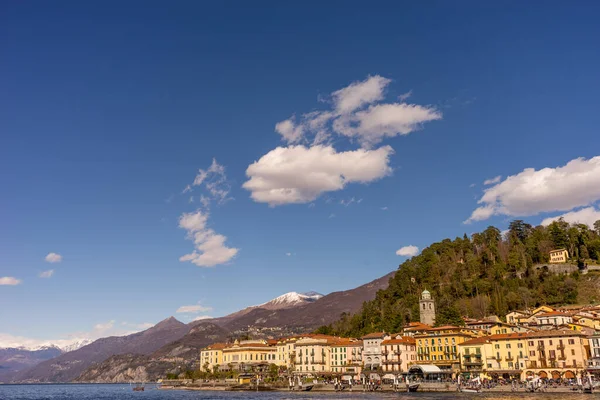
(111, 392)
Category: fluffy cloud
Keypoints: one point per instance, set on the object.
(586, 216)
(46, 274)
(9, 281)
(193, 309)
(408, 251)
(370, 126)
(530, 192)
(291, 132)
(299, 174)
(492, 181)
(358, 94)
(210, 248)
(53, 258)
(357, 112)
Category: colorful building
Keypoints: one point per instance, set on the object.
(245, 354)
(398, 353)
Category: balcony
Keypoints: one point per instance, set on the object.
(508, 358)
(541, 347)
(392, 361)
(385, 352)
(320, 362)
(472, 363)
(560, 347)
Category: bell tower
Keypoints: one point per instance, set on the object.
(427, 308)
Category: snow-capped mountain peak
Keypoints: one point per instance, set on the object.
(291, 299)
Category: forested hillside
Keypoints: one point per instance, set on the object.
(478, 276)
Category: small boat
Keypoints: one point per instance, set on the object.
(306, 388)
(138, 388)
(412, 387)
(470, 390)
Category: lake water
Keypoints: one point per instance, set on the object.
(113, 392)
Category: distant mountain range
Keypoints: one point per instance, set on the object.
(172, 345)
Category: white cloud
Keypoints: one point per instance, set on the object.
(210, 248)
(472, 185)
(202, 317)
(291, 132)
(531, 191)
(9, 281)
(405, 96)
(193, 309)
(372, 125)
(331, 216)
(53, 258)
(357, 112)
(492, 181)
(288, 254)
(408, 251)
(205, 201)
(214, 180)
(384, 208)
(187, 189)
(585, 216)
(46, 274)
(358, 94)
(298, 174)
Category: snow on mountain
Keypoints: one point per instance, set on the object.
(76, 345)
(64, 347)
(291, 299)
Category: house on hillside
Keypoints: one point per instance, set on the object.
(559, 256)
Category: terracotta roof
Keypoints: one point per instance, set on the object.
(374, 335)
(404, 340)
(444, 328)
(553, 313)
(479, 340)
(216, 346)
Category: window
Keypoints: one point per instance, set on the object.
(496, 346)
(520, 345)
(508, 345)
(531, 343)
(571, 341)
(572, 352)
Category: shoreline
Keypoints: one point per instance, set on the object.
(330, 389)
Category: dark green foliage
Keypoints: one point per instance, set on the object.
(486, 274)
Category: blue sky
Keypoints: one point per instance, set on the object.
(109, 110)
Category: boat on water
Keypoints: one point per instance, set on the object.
(412, 387)
(138, 387)
(470, 390)
(472, 386)
(306, 388)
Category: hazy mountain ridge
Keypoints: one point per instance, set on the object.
(69, 366)
(152, 352)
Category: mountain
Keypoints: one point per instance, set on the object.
(291, 312)
(173, 357)
(291, 299)
(69, 366)
(307, 315)
(13, 360)
(76, 345)
(148, 354)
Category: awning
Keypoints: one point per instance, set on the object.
(426, 369)
(389, 376)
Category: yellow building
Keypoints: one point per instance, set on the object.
(286, 352)
(439, 346)
(398, 353)
(559, 256)
(346, 356)
(242, 355)
(557, 353)
(473, 356)
(313, 354)
(212, 356)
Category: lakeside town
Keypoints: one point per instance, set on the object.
(551, 346)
